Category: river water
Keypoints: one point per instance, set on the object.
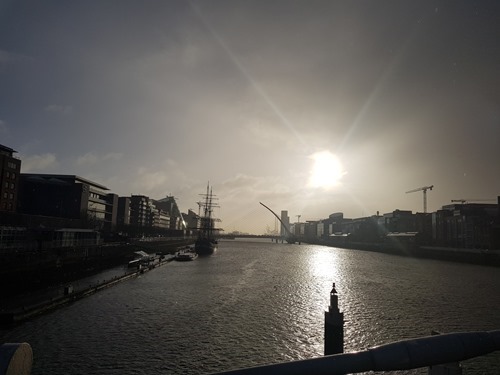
(256, 302)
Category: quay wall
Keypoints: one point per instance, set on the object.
(29, 310)
(23, 271)
(471, 256)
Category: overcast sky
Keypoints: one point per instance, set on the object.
(160, 97)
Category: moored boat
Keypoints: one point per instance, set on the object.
(206, 243)
(205, 246)
(185, 256)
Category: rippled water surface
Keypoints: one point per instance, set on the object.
(256, 303)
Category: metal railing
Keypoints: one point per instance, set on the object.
(401, 355)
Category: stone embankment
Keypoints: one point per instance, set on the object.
(60, 277)
(471, 256)
(26, 306)
(27, 270)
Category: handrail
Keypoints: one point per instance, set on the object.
(401, 355)
(16, 358)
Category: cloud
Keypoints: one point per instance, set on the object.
(87, 159)
(39, 163)
(240, 196)
(57, 108)
(92, 158)
(149, 182)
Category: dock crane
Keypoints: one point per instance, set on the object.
(424, 189)
(462, 201)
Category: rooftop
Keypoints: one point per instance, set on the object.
(65, 177)
(7, 149)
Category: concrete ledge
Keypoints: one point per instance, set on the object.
(16, 359)
(26, 312)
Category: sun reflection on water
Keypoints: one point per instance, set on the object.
(323, 264)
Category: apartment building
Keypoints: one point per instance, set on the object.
(67, 196)
(10, 168)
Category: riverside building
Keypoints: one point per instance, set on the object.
(67, 196)
(10, 167)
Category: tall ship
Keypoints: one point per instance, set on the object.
(206, 243)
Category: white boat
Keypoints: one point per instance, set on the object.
(185, 256)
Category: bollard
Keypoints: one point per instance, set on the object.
(16, 359)
(334, 326)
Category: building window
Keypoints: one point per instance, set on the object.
(7, 174)
(5, 195)
(12, 186)
(13, 175)
(11, 196)
(6, 184)
(11, 165)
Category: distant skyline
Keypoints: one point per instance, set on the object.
(313, 107)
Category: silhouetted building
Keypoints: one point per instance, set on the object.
(423, 226)
(298, 229)
(335, 223)
(191, 220)
(10, 168)
(148, 213)
(159, 217)
(66, 196)
(352, 225)
(310, 230)
(285, 227)
(468, 225)
(399, 221)
(139, 211)
(169, 206)
(123, 212)
(111, 215)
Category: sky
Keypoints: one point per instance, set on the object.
(314, 107)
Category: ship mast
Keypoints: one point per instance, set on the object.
(208, 204)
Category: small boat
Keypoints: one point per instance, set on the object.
(185, 256)
(134, 263)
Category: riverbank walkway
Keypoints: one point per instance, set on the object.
(27, 305)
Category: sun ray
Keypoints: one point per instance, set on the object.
(247, 75)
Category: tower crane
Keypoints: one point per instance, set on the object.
(462, 201)
(424, 189)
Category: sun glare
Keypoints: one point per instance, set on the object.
(327, 170)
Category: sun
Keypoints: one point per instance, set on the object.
(326, 171)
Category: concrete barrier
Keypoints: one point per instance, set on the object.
(16, 359)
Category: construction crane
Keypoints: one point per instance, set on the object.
(462, 201)
(424, 189)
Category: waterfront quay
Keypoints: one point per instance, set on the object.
(30, 304)
(257, 302)
(411, 249)
(30, 288)
(25, 269)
